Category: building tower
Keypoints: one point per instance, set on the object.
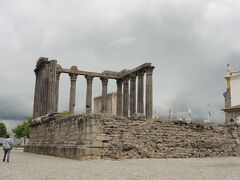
(232, 96)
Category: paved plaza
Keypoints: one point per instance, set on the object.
(27, 166)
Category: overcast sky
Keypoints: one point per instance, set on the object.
(189, 41)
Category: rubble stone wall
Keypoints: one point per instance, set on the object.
(102, 137)
(232, 116)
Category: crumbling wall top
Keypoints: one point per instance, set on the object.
(41, 60)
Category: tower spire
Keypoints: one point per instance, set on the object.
(228, 77)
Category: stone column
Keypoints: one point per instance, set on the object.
(57, 90)
(41, 91)
(140, 104)
(36, 94)
(73, 78)
(119, 98)
(44, 87)
(125, 96)
(51, 89)
(89, 94)
(149, 93)
(133, 95)
(41, 87)
(104, 94)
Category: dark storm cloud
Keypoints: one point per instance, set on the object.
(189, 42)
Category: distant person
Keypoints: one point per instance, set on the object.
(7, 147)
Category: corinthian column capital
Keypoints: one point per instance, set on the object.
(73, 77)
(89, 78)
(119, 81)
(133, 76)
(150, 70)
(141, 73)
(104, 80)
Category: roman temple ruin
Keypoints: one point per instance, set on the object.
(46, 96)
(125, 136)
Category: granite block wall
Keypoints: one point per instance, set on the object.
(107, 137)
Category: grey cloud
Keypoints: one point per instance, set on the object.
(189, 42)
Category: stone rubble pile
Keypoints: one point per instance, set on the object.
(157, 139)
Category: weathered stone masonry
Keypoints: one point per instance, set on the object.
(106, 137)
(47, 88)
(94, 136)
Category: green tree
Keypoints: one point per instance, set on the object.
(22, 130)
(3, 130)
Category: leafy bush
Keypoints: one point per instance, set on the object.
(22, 130)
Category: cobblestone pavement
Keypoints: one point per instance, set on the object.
(27, 166)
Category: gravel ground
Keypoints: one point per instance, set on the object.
(27, 166)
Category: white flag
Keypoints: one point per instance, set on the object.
(209, 113)
(170, 116)
(189, 114)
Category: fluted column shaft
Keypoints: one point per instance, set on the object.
(72, 100)
(43, 87)
(133, 95)
(89, 94)
(140, 103)
(149, 93)
(119, 98)
(104, 94)
(125, 97)
(36, 97)
(51, 89)
(57, 91)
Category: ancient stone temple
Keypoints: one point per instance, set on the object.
(47, 89)
(232, 97)
(103, 136)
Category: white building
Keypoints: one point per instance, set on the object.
(232, 96)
